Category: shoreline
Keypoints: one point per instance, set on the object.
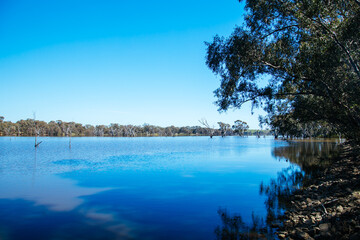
(328, 205)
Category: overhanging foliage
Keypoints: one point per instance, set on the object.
(307, 51)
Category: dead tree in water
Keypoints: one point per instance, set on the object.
(211, 130)
(68, 131)
(37, 131)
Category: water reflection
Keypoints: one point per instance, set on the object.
(54, 192)
(160, 188)
(308, 158)
(38, 222)
(234, 228)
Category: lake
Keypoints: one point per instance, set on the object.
(134, 188)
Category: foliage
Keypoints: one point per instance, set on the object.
(240, 127)
(311, 158)
(306, 51)
(59, 128)
(224, 128)
(288, 126)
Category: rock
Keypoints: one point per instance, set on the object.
(303, 235)
(288, 223)
(305, 229)
(281, 236)
(339, 209)
(308, 221)
(338, 192)
(324, 227)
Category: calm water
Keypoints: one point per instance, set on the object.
(132, 188)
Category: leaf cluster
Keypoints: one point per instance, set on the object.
(294, 58)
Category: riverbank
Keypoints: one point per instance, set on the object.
(328, 206)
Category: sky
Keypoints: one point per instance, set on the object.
(102, 62)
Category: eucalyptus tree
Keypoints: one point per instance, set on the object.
(18, 129)
(152, 130)
(114, 129)
(99, 130)
(26, 127)
(147, 128)
(289, 127)
(224, 128)
(8, 128)
(54, 129)
(2, 125)
(129, 130)
(302, 54)
(240, 127)
(89, 130)
(78, 129)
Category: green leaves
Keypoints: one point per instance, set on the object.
(308, 52)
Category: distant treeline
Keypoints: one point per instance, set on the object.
(31, 127)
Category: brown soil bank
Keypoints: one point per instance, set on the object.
(329, 206)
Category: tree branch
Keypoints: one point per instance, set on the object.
(276, 94)
(358, 2)
(334, 36)
(279, 30)
(270, 65)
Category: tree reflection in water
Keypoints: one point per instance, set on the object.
(234, 228)
(308, 158)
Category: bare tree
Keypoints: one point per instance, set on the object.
(99, 130)
(68, 131)
(114, 129)
(210, 130)
(37, 131)
(129, 131)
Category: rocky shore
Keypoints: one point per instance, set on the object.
(327, 207)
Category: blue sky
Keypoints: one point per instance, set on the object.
(102, 62)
